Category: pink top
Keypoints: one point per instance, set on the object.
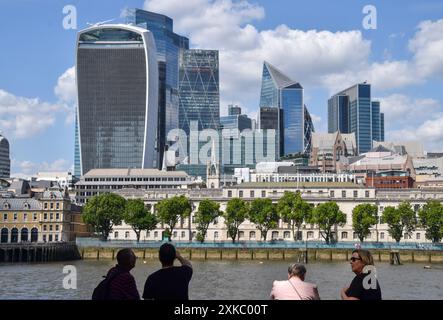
(283, 290)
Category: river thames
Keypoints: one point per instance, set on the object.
(224, 280)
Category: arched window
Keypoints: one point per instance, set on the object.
(310, 235)
(252, 235)
(4, 235)
(34, 235)
(274, 235)
(126, 234)
(344, 235)
(14, 235)
(116, 235)
(24, 235)
(6, 205)
(241, 234)
(286, 235)
(216, 235)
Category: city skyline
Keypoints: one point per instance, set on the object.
(397, 59)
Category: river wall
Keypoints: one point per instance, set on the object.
(296, 255)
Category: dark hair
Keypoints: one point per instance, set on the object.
(297, 270)
(124, 257)
(167, 254)
(365, 256)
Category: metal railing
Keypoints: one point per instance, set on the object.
(271, 244)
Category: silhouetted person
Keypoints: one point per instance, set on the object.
(169, 283)
(122, 284)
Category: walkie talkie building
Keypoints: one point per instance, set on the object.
(117, 82)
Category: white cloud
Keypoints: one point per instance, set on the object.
(28, 168)
(24, 117)
(427, 46)
(333, 60)
(401, 109)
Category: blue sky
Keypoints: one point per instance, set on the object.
(322, 45)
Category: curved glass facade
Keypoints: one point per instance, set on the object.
(114, 105)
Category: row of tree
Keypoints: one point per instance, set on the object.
(105, 211)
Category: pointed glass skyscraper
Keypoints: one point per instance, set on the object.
(282, 108)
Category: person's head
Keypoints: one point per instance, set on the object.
(126, 258)
(360, 258)
(167, 254)
(297, 270)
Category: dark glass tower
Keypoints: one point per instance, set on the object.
(5, 160)
(169, 46)
(282, 108)
(117, 82)
(352, 110)
(199, 90)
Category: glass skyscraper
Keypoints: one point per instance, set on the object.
(282, 108)
(77, 163)
(235, 120)
(5, 160)
(117, 84)
(353, 111)
(169, 46)
(199, 93)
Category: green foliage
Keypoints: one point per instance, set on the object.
(200, 237)
(400, 220)
(328, 215)
(170, 211)
(236, 213)
(364, 216)
(138, 217)
(103, 212)
(263, 214)
(208, 211)
(294, 210)
(431, 219)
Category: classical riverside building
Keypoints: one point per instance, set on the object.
(117, 82)
(282, 108)
(347, 196)
(5, 161)
(98, 181)
(49, 217)
(352, 110)
(330, 149)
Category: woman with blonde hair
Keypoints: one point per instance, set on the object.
(365, 285)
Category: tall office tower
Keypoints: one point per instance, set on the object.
(338, 114)
(235, 120)
(199, 90)
(308, 131)
(352, 110)
(77, 163)
(117, 83)
(169, 46)
(234, 110)
(5, 161)
(382, 127)
(285, 96)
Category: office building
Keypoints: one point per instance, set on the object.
(282, 108)
(169, 47)
(235, 120)
(117, 82)
(353, 111)
(199, 93)
(5, 160)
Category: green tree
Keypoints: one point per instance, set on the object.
(138, 217)
(263, 214)
(431, 219)
(208, 211)
(327, 216)
(103, 212)
(294, 210)
(170, 211)
(364, 216)
(401, 220)
(236, 213)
